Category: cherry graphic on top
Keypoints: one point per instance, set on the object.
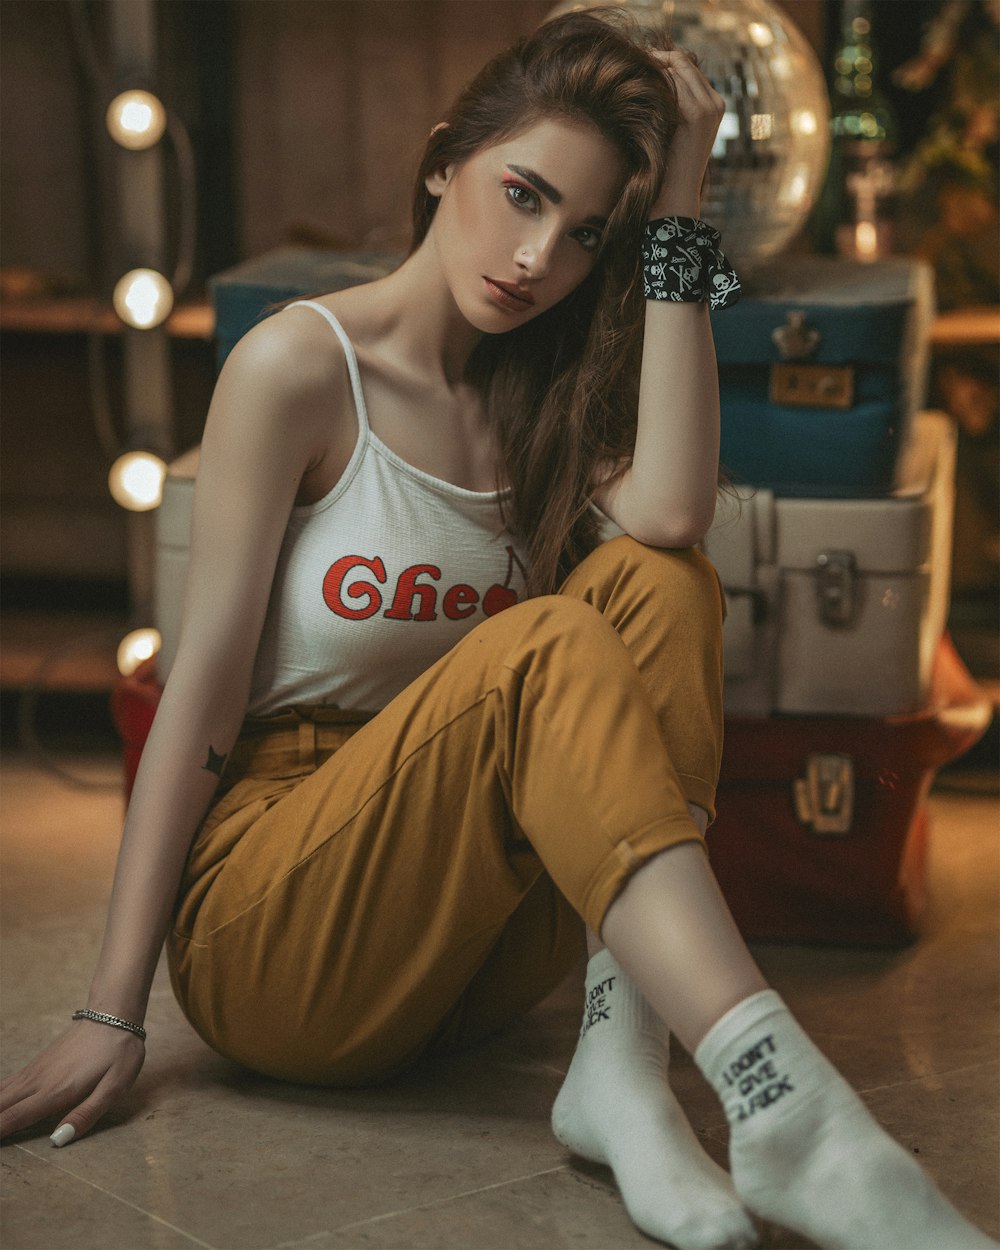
(497, 598)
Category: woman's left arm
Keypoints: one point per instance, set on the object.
(666, 497)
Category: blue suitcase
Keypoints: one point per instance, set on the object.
(248, 292)
(822, 365)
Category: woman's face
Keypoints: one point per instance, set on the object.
(518, 225)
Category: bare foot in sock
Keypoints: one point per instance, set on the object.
(806, 1153)
(616, 1108)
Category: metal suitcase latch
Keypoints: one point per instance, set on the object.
(796, 339)
(837, 588)
(812, 386)
(824, 798)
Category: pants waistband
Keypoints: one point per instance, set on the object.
(299, 737)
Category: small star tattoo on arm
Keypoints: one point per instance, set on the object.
(215, 762)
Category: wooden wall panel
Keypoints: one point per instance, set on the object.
(43, 178)
(334, 101)
(396, 49)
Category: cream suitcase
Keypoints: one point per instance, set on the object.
(837, 605)
(173, 540)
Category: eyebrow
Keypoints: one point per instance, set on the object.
(549, 191)
(546, 188)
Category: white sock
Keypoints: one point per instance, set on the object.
(615, 1107)
(804, 1150)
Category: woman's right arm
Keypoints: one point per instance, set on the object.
(265, 427)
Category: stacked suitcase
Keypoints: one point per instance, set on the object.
(843, 694)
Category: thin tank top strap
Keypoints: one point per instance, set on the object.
(349, 353)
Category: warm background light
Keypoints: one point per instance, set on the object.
(761, 126)
(136, 120)
(796, 188)
(135, 647)
(866, 240)
(804, 122)
(143, 298)
(136, 480)
(761, 34)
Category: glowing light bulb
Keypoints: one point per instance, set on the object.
(143, 298)
(136, 120)
(136, 480)
(135, 647)
(804, 122)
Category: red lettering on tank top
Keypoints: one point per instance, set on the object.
(460, 601)
(407, 588)
(333, 588)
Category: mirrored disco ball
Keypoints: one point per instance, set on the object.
(770, 155)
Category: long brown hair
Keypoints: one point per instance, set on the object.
(562, 390)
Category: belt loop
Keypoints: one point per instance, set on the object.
(307, 743)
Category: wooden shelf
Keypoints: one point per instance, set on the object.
(61, 651)
(967, 327)
(81, 314)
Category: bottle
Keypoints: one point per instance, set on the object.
(857, 204)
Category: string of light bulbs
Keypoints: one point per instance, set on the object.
(143, 296)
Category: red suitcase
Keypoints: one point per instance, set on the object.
(134, 701)
(822, 820)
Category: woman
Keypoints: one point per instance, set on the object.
(369, 886)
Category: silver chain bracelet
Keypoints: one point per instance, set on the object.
(116, 1022)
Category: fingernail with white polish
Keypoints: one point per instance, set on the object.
(63, 1134)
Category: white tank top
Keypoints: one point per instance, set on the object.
(379, 578)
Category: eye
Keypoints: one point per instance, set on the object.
(520, 195)
(588, 238)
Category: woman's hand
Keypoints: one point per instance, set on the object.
(701, 110)
(74, 1081)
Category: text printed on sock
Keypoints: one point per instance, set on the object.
(597, 1006)
(756, 1078)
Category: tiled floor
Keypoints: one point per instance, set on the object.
(458, 1156)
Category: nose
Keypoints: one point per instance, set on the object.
(534, 256)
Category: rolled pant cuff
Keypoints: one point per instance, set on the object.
(700, 792)
(627, 857)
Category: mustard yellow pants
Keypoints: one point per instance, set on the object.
(366, 889)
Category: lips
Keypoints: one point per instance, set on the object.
(507, 295)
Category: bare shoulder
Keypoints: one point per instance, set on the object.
(292, 354)
(286, 379)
